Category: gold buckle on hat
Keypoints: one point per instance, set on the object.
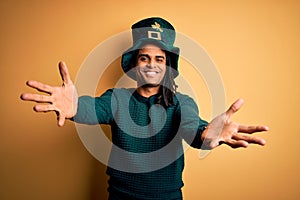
(154, 35)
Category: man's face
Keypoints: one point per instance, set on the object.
(151, 65)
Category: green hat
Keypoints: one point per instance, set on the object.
(155, 31)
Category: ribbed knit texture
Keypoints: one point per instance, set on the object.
(151, 136)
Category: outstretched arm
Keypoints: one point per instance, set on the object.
(61, 99)
(221, 130)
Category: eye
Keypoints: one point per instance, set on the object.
(143, 58)
(160, 60)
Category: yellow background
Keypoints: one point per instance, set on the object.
(254, 44)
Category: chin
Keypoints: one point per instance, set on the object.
(148, 84)
(151, 85)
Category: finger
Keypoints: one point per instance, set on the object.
(40, 86)
(236, 143)
(64, 73)
(249, 138)
(36, 97)
(44, 108)
(61, 120)
(234, 107)
(252, 129)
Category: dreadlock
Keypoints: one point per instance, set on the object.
(168, 86)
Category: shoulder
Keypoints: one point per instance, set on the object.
(183, 98)
(117, 92)
(185, 103)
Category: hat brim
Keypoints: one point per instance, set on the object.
(130, 54)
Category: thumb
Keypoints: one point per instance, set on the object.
(234, 107)
(64, 72)
(61, 120)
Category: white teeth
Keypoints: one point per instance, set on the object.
(151, 73)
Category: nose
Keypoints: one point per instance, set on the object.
(151, 63)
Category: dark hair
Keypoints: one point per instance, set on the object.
(168, 86)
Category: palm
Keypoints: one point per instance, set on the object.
(63, 99)
(221, 130)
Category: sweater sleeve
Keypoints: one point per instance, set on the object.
(191, 125)
(94, 110)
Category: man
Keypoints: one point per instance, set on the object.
(148, 122)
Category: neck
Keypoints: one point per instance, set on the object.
(147, 91)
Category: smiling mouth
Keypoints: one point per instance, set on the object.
(151, 73)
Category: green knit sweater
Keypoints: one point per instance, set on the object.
(147, 158)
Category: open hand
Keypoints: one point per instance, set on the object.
(221, 130)
(62, 99)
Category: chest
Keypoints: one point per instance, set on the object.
(144, 127)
